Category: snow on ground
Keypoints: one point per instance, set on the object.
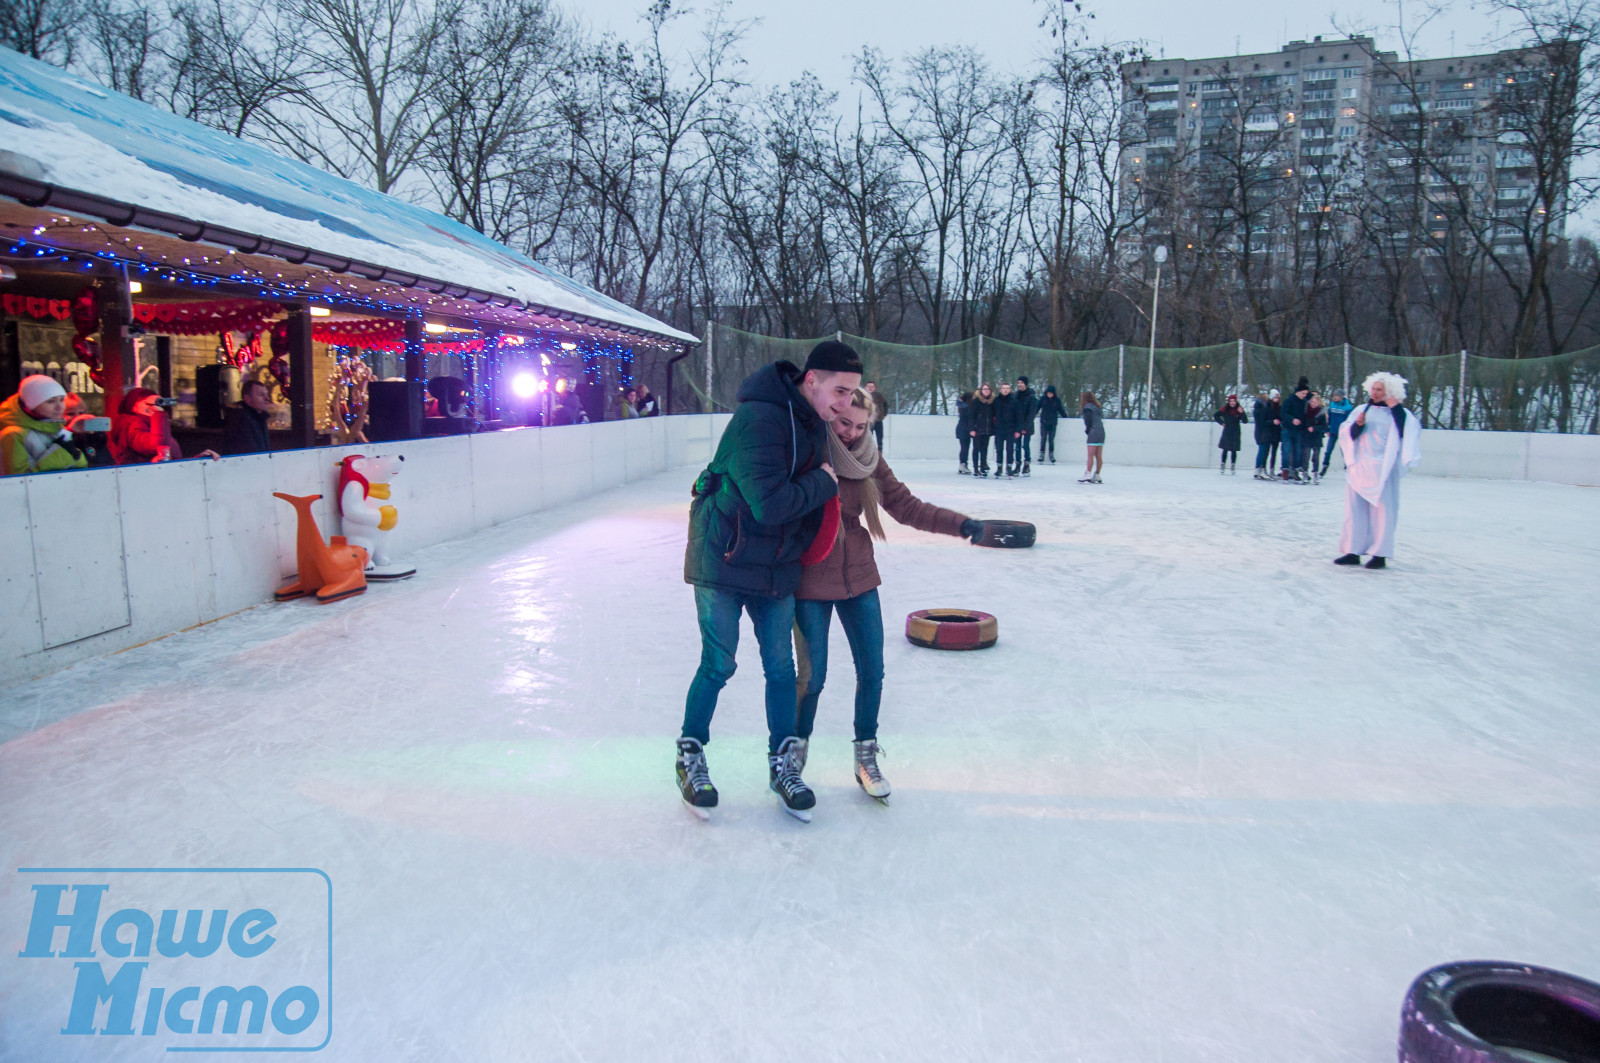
(1210, 798)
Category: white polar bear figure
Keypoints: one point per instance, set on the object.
(366, 514)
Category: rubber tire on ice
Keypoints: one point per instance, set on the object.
(953, 629)
(1007, 534)
(1487, 1012)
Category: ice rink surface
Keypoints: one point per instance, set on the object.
(1210, 798)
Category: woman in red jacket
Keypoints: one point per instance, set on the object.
(142, 432)
(846, 580)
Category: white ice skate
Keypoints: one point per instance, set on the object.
(868, 776)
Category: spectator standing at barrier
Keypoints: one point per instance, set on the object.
(1050, 412)
(756, 508)
(141, 433)
(32, 435)
(1027, 410)
(1094, 433)
(964, 428)
(1268, 433)
(244, 428)
(1007, 432)
(1381, 442)
(1316, 428)
(1231, 417)
(880, 410)
(845, 580)
(1337, 412)
(982, 413)
(629, 406)
(647, 405)
(1296, 432)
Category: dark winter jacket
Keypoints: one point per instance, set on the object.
(850, 567)
(982, 412)
(1050, 408)
(1294, 409)
(1266, 412)
(1316, 421)
(963, 418)
(1094, 427)
(1230, 418)
(244, 431)
(1026, 404)
(758, 505)
(1007, 415)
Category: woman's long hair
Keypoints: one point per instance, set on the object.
(1087, 399)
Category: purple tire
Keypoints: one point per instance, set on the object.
(1489, 1012)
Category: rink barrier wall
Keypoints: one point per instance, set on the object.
(197, 540)
(1535, 456)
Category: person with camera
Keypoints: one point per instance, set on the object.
(141, 433)
(32, 437)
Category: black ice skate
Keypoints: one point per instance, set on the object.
(694, 782)
(783, 768)
(1027, 470)
(867, 773)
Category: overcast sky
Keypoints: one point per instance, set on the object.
(822, 35)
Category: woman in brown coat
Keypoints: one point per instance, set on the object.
(846, 580)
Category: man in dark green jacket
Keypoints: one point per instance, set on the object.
(756, 508)
(1027, 409)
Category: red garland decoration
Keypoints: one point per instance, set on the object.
(358, 333)
(37, 308)
(209, 318)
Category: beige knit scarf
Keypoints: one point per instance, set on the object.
(859, 462)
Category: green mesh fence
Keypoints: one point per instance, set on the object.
(1560, 393)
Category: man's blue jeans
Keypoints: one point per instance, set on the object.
(862, 620)
(773, 618)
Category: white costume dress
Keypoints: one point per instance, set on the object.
(1374, 462)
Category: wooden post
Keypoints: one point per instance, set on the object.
(416, 376)
(491, 376)
(164, 364)
(116, 346)
(302, 380)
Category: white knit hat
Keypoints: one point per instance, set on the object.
(38, 389)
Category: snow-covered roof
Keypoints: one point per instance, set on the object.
(101, 143)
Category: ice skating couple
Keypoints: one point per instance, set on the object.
(781, 529)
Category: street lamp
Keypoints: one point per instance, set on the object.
(1160, 255)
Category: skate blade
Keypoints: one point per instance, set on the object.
(702, 814)
(802, 814)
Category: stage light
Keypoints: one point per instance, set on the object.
(566, 346)
(434, 328)
(134, 287)
(321, 311)
(524, 385)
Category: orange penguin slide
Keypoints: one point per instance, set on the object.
(331, 570)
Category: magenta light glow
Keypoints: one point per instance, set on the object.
(525, 385)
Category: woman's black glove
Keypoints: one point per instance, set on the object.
(972, 529)
(63, 440)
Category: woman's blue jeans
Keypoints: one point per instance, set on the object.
(862, 620)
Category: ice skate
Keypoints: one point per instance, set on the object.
(694, 782)
(1086, 479)
(867, 774)
(1348, 559)
(1095, 479)
(1026, 469)
(783, 768)
(1376, 562)
(964, 471)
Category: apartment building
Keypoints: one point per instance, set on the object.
(1255, 152)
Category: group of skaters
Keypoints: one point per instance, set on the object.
(1007, 415)
(1298, 425)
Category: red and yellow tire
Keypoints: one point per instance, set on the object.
(952, 629)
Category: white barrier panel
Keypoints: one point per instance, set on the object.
(1562, 459)
(130, 554)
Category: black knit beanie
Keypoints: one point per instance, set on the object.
(1303, 385)
(1023, 381)
(831, 356)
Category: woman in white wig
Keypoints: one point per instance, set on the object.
(1380, 442)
